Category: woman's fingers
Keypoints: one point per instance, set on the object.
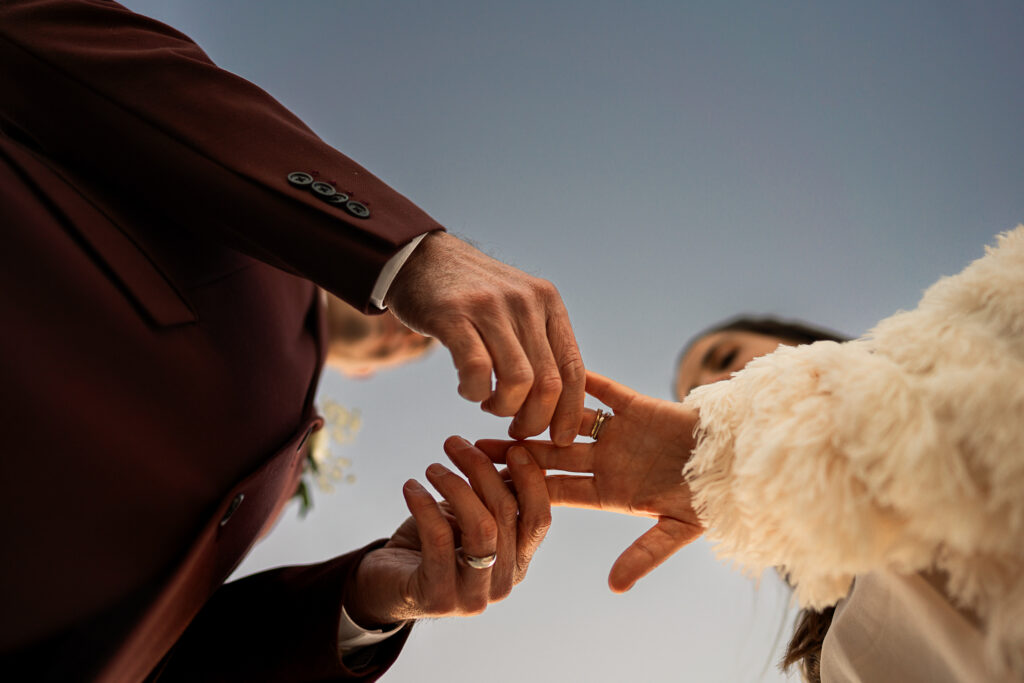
(534, 508)
(609, 392)
(488, 485)
(436, 542)
(572, 491)
(522, 510)
(495, 449)
(655, 546)
(576, 458)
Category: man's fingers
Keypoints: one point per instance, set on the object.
(609, 392)
(479, 536)
(534, 507)
(513, 372)
(565, 423)
(535, 414)
(655, 546)
(472, 362)
(436, 541)
(504, 509)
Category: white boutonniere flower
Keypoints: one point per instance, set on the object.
(324, 466)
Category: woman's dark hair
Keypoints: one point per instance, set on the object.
(804, 649)
(788, 330)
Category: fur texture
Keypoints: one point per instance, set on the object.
(901, 450)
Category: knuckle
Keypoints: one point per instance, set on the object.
(537, 529)
(499, 593)
(479, 302)
(413, 602)
(571, 369)
(475, 605)
(549, 386)
(439, 537)
(539, 523)
(545, 289)
(476, 364)
(520, 376)
(443, 604)
(507, 510)
(642, 547)
(537, 534)
(520, 299)
(486, 529)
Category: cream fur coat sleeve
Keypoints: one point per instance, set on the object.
(903, 450)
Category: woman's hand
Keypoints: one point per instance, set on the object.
(636, 466)
(422, 571)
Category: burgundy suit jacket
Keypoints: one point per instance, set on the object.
(160, 350)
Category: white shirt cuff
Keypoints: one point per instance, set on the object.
(390, 270)
(352, 636)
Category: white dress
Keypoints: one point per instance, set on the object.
(900, 629)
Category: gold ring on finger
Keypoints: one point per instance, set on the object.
(599, 421)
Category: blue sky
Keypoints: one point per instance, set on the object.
(666, 164)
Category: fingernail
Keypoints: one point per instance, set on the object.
(413, 486)
(437, 470)
(458, 442)
(518, 456)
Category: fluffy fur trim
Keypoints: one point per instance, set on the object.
(902, 450)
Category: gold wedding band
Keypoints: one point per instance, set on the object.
(599, 421)
(484, 562)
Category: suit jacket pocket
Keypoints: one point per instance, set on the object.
(127, 262)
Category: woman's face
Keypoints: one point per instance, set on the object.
(718, 355)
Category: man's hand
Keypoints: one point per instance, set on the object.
(495, 318)
(420, 572)
(636, 464)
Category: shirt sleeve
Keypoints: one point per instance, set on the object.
(352, 636)
(390, 272)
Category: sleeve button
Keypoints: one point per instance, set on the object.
(232, 507)
(338, 198)
(323, 190)
(357, 209)
(300, 179)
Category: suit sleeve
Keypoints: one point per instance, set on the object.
(133, 108)
(278, 625)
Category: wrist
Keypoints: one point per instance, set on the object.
(417, 260)
(365, 603)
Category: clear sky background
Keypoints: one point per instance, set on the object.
(665, 164)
